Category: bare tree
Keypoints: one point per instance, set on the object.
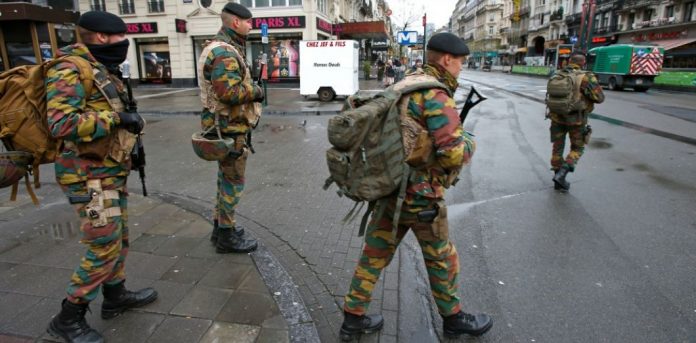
(405, 17)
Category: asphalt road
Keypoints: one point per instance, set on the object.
(611, 261)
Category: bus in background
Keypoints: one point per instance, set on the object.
(626, 66)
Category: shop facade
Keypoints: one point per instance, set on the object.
(168, 38)
(679, 42)
(31, 34)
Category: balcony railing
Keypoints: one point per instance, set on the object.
(573, 18)
(155, 6)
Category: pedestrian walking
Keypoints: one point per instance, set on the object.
(92, 169)
(417, 67)
(423, 211)
(568, 112)
(389, 73)
(228, 96)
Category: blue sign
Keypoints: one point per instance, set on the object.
(574, 39)
(407, 37)
(264, 30)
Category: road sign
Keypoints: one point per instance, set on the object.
(264, 30)
(264, 40)
(407, 37)
(574, 39)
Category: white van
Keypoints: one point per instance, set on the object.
(329, 68)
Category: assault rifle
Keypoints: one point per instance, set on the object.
(137, 155)
(470, 103)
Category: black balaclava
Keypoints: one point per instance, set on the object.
(110, 55)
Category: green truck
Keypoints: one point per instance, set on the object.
(626, 65)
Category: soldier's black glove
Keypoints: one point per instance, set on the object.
(131, 121)
(259, 94)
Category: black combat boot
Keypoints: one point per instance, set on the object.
(117, 299)
(354, 325)
(70, 325)
(462, 322)
(238, 230)
(559, 179)
(228, 241)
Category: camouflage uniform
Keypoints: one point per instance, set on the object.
(435, 110)
(573, 125)
(226, 70)
(76, 117)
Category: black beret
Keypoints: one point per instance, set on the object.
(448, 43)
(100, 21)
(237, 9)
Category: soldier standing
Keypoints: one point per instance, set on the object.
(228, 93)
(423, 209)
(92, 169)
(573, 124)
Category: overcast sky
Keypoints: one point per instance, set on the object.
(438, 11)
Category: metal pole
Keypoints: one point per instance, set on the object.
(425, 18)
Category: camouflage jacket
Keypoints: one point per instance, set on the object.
(76, 117)
(435, 110)
(226, 70)
(591, 91)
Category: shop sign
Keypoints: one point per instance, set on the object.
(653, 36)
(134, 28)
(323, 25)
(604, 40)
(180, 25)
(380, 44)
(292, 22)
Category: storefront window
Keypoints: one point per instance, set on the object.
(155, 63)
(65, 35)
(20, 50)
(283, 58)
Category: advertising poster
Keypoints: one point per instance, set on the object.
(157, 66)
(283, 58)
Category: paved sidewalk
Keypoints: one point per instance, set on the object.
(203, 296)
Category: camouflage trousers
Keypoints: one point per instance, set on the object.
(107, 242)
(558, 139)
(440, 255)
(230, 186)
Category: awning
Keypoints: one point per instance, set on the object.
(361, 30)
(674, 43)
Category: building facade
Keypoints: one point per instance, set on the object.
(531, 30)
(167, 36)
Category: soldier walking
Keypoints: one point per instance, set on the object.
(573, 124)
(423, 209)
(92, 168)
(229, 96)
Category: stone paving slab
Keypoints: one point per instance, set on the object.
(203, 296)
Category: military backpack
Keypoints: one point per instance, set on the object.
(563, 93)
(23, 122)
(373, 140)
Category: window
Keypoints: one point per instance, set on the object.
(490, 30)
(647, 14)
(669, 11)
(688, 11)
(295, 3)
(261, 3)
(247, 3)
(126, 7)
(491, 17)
(155, 6)
(321, 5)
(276, 3)
(631, 20)
(97, 5)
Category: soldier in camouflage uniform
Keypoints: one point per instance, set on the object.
(435, 110)
(227, 92)
(574, 125)
(87, 119)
